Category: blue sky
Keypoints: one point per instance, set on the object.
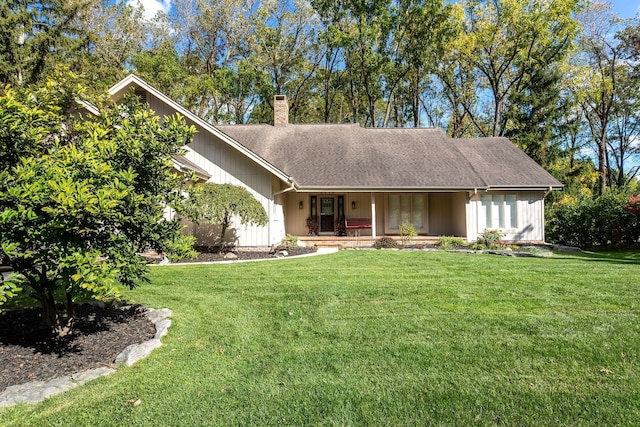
(626, 8)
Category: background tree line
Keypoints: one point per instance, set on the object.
(557, 77)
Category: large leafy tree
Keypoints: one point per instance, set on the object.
(595, 78)
(33, 35)
(79, 199)
(511, 51)
(110, 35)
(95, 37)
(388, 49)
(284, 47)
(606, 83)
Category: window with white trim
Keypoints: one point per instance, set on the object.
(497, 211)
(406, 208)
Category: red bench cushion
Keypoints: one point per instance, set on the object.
(357, 223)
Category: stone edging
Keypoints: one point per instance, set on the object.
(37, 391)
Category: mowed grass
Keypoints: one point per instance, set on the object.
(379, 338)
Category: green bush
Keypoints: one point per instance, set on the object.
(79, 199)
(385, 243)
(589, 222)
(450, 242)
(290, 242)
(490, 239)
(218, 203)
(407, 231)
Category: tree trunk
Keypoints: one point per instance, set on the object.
(602, 164)
(225, 226)
(52, 319)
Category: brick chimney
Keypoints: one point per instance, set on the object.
(280, 110)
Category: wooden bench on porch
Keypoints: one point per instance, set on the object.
(357, 224)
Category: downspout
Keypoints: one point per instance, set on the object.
(293, 185)
(544, 220)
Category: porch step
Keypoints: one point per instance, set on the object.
(350, 242)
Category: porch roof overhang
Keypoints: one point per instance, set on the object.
(185, 165)
(524, 187)
(348, 189)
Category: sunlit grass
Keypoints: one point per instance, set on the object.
(380, 338)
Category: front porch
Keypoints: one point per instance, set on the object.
(432, 214)
(356, 241)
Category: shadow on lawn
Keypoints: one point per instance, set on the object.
(627, 257)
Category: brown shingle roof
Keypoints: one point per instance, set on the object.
(348, 156)
(501, 164)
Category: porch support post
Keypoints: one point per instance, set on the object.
(373, 215)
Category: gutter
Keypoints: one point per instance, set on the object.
(348, 189)
(524, 187)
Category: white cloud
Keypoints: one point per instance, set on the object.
(151, 7)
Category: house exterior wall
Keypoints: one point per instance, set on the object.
(294, 217)
(447, 214)
(529, 220)
(363, 210)
(228, 166)
(458, 215)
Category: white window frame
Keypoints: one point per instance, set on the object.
(498, 212)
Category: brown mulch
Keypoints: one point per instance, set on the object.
(27, 353)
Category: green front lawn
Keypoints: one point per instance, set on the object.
(379, 338)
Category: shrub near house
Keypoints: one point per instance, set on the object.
(588, 222)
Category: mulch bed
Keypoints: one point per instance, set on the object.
(206, 256)
(27, 353)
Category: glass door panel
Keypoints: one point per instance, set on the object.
(326, 215)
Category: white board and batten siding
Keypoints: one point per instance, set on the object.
(524, 222)
(228, 166)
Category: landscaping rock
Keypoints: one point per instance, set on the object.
(503, 253)
(565, 248)
(162, 328)
(35, 391)
(135, 352)
(91, 374)
(157, 315)
(230, 256)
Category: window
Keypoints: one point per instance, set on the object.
(406, 208)
(497, 211)
(313, 207)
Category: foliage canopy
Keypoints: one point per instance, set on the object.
(79, 199)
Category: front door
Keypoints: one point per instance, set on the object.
(326, 215)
